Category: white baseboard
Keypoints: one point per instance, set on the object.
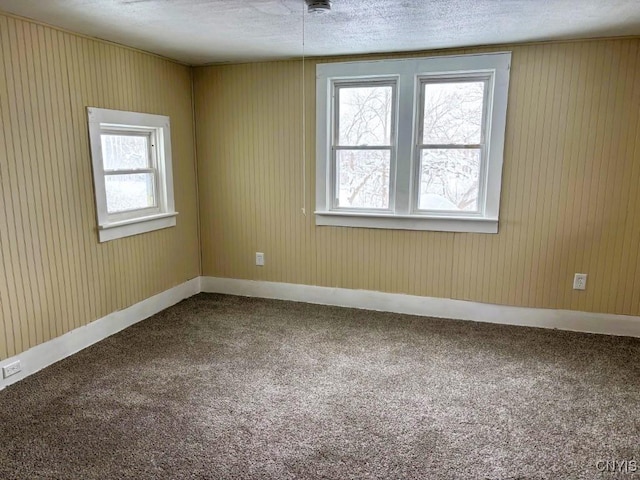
(50, 352)
(54, 350)
(603, 323)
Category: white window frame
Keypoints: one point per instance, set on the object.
(157, 128)
(410, 75)
(392, 147)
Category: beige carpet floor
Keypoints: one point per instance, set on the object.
(223, 387)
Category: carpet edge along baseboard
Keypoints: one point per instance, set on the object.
(36, 358)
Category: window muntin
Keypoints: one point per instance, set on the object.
(363, 146)
(451, 154)
(131, 154)
(438, 179)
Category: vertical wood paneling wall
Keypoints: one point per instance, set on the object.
(54, 275)
(569, 203)
(570, 196)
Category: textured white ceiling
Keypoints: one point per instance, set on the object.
(210, 31)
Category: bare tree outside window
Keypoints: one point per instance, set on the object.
(450, 147)
(450, 155)
(363, 153)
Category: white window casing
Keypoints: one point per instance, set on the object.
(409, 77)
(155, 132)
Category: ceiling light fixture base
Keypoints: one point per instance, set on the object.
(318, 6)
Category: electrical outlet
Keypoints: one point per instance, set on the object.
(580, 281)
(260, 259)
(11, 369)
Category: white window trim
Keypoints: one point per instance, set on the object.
(409, 73)
(392, 147)
(163, 215)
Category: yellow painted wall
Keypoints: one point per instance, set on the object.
(569, 201)
(54, 275)
(570, 195)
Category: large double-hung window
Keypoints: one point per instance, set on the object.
(413, 143)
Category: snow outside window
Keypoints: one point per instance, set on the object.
(412, 144)
(131, 154)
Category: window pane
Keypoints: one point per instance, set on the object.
(124, 152)
(130, 192)
(449, 179)
(364, 115)
(363, 178)
(453, 113)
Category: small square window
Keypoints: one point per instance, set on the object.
(131, 155)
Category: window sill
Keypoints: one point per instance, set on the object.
(136, 226)
(407, 222)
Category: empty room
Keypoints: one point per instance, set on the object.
(300, 239)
